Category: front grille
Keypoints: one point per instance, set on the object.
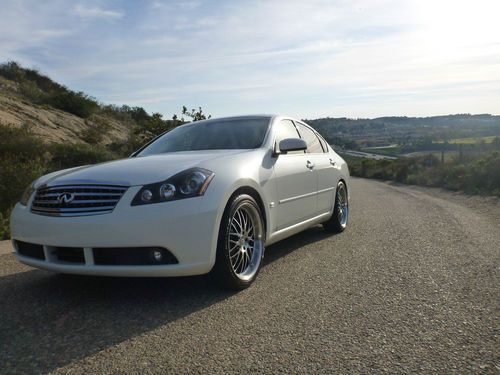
(76, 200)
(30, 250)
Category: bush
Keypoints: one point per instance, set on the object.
(41, 89)
(476, 174)
(31, 91)
(71, 155)
(76, 103)
(4, 226)
(24, 158)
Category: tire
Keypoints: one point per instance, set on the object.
(340, 216)
(240, 246)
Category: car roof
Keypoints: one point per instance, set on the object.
(256, 116)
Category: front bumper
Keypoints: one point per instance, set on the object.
(185, 227)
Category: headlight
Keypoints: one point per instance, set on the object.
(187, 184)
(27, 194)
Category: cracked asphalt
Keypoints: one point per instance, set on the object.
(412, 286)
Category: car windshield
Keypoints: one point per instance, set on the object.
(224, 134)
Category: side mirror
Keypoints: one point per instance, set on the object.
(292, 144)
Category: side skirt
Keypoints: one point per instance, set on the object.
(296, 228)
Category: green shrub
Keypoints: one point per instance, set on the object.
(30, 90)
(474, 174)
(4, 226)
(76, 103)
(24, 158)
(71, 155)
(41, 89)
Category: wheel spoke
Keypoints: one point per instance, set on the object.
(236, 230)
(238, 222)
(238, 262)
(237, 247)
(245, 221)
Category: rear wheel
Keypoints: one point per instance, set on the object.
(240, 246)
(338, 221)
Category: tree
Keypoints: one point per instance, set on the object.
(195, 115)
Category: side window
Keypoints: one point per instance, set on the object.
(313, 145)
(323, 143)
(286, 129)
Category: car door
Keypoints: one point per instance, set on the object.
(317, 150)
(296, 181)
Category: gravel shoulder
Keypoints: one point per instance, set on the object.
(411, 286)
(5, 247)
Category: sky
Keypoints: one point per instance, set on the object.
(307, 59)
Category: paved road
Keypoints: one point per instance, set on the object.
(368, 155)
(411, 286)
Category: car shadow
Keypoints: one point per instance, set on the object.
(48, 321)
(293, 243)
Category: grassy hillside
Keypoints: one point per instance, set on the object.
(41, 108)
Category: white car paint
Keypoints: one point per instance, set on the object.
(294, 197)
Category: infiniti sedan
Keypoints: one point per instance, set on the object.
(205, 197)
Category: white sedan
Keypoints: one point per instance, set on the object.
(205, 197)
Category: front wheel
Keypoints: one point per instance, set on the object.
(240, 247)
(338, 221)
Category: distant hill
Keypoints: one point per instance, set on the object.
(383, 131)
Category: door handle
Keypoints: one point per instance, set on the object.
(309, 165)
(332, 162)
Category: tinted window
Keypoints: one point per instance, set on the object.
(211, 135)
(313, 145)
(286, 129)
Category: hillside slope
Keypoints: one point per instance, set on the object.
(54, 125)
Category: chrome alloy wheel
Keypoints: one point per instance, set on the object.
(245, 241)
(342, 205)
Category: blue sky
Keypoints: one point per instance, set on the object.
(352, 58)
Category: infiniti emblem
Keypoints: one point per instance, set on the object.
(65, 198)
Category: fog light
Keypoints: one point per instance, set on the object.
(146, 195)
(167, 191)
(157, 255)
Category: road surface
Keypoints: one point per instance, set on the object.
(411, 286)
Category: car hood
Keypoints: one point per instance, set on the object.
(135, 171)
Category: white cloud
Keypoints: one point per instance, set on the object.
(96, 12)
